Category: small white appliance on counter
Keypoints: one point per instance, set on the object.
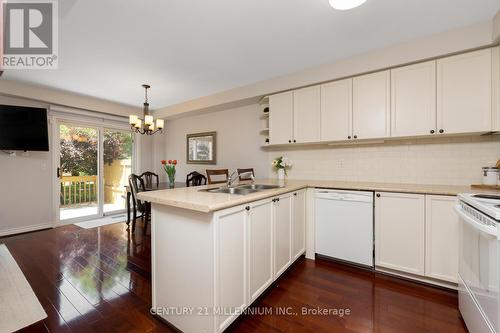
(479, 261)
(344, 225)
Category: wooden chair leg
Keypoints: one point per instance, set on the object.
(148, 217)
(133, 220)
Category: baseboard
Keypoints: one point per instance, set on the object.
(21, 230)
(417, 278)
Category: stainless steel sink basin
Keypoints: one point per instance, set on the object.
(241, 189)
(259, 187)
(231, 190)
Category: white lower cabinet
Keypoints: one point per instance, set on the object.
(282, 233)
(399, 232)
(441, 238)
(260, 225)
(254, 244)
(417, 234)
(231, 264)
(298, 223)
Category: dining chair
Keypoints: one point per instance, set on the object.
(195, 179)
(217, 172)
(246, 171)
(136, 184)
(148, 177)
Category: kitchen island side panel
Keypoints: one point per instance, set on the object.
(183, 267)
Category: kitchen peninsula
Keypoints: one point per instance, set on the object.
(214, 254)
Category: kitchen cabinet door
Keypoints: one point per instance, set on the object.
(298, 224)
(371, 106)
(280, 118)
(399, 231)
(261, 247)
(282, 233)
(336, 110)
(413, 100)
(306, 115)
(464, 93)
(496, 88)
(441, 238)
(231, 263)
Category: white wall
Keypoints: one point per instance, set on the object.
(447, 161)
(237, 140)
(437, 45)
(26, 197)
(152, 149)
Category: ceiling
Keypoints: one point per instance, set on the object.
(188, 49)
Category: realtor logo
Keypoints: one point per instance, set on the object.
(29, 32)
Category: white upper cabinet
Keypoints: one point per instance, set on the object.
(336, 110)
(280, 118)
(464, 93)
(496, 88)
(371, 105)
(413, 100)
(306, 115)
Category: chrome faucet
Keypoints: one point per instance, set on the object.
(230, 179)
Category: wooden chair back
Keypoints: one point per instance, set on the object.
(148, 178)
(195, 179)
(217, 172)
(240, 171)
(136, 184)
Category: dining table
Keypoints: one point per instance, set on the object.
(149, 187)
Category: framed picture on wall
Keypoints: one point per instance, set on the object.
(201, 148)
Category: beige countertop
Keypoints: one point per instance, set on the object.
(194, 199)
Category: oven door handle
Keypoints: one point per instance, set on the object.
(480, 226)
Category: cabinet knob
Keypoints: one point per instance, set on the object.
(247, 208)
(355, 136)
(277, 199)
(432, 131)
(378, 195)
(289, 141)
(295, 194)
(294, 141)
(349, 137)
(441, 130)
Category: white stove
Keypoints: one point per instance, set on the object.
(489, 204)
(479, 261)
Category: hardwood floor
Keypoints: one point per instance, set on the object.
(99, 280)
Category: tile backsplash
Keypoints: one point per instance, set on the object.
(450, 161)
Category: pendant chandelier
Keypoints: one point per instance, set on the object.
(149, 123)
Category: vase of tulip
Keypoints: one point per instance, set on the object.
(282, 164)
(169, 167)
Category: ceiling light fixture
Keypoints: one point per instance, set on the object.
(149, 123)
(346, 4)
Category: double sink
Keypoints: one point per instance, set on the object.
(242, 189)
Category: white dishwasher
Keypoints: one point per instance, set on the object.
(344, 225)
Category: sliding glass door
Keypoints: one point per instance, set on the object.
(117, 158)
(78, 172)
(93, 168)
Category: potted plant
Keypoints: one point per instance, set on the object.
(282, 164)
(169, 167)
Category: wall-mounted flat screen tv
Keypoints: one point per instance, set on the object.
(23, 128)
